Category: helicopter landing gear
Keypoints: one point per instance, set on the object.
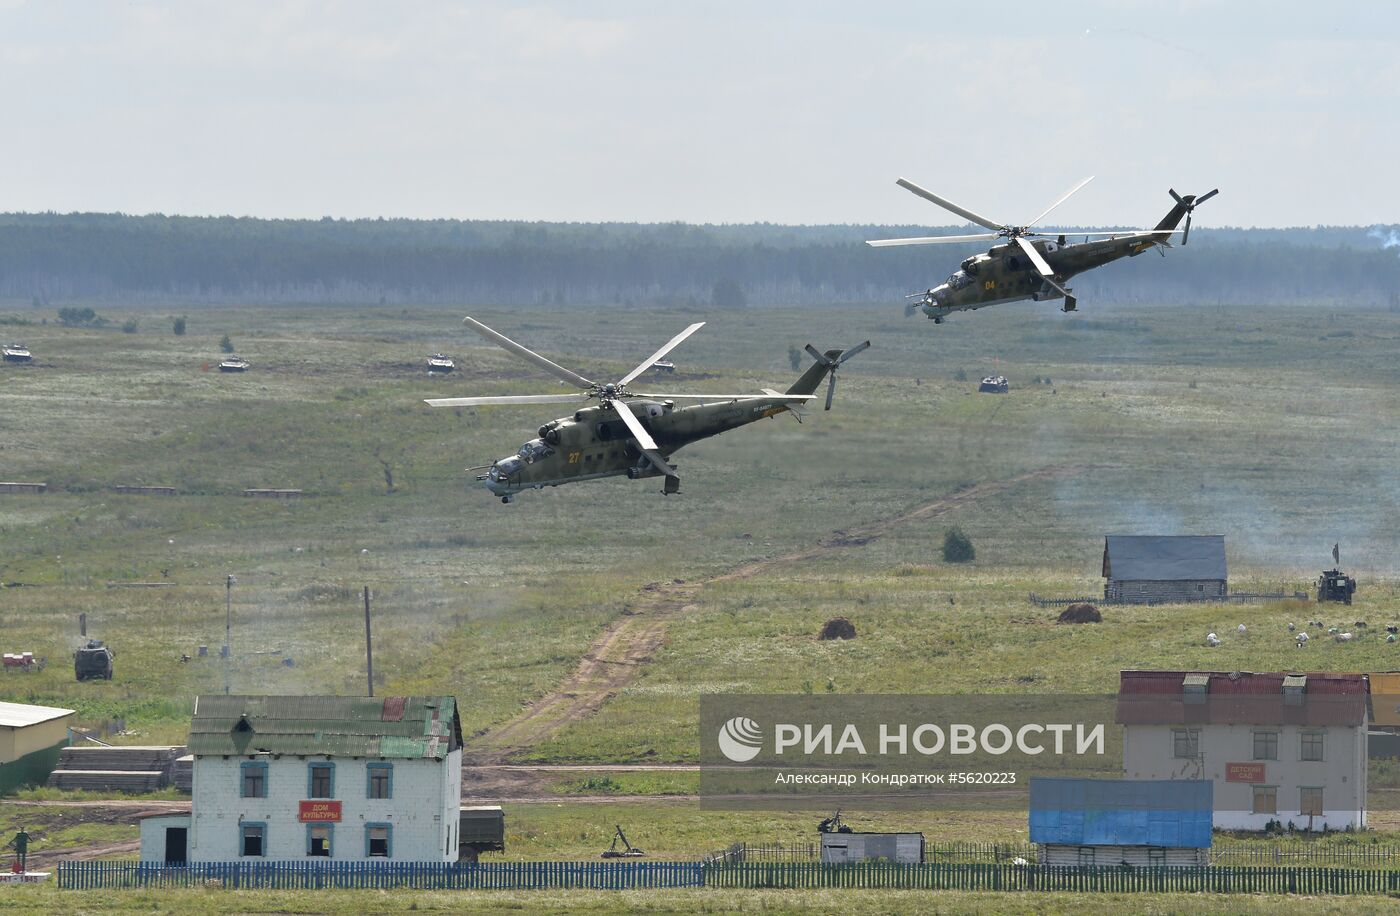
(937, 319)
(671, 486)
(1071, 304)
(507, 499)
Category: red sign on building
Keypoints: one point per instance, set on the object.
(1243, 772)
(318, 811)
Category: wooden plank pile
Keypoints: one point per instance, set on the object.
(131, 768)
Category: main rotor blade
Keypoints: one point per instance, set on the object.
(644, 439)
(526, 353)
(935, 240)
(1068, 194)
(1106, 233)
(1040, 263)
(507, 399)
(670, 345)
(716, 397)
(946, 204)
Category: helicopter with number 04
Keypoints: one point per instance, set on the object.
(630, 432)
(1033, 263)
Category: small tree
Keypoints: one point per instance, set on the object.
(178, 326)
(131, 326)
(794, 357)
(957, 547)
(727, 293)
(225, 344)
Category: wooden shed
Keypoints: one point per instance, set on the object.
(1157, 569)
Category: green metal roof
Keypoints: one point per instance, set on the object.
(394, 727)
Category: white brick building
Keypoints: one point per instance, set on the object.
(1289, 748)
(306, 778)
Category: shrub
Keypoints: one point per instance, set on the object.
(226, 344)
(957, 547)
(178, 326)
(131, 326)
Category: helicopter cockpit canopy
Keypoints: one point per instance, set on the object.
(959, 279)
(534, 450)
(505, 467)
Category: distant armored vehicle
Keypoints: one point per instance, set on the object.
(17, 353)
(663, 365)
(1335, 585)
(995, 384)
(234, 364)
(93, 661)
(440, 363)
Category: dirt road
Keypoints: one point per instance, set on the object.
(615, 657)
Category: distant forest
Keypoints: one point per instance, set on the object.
(75, 258)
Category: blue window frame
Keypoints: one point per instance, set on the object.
(252, 839)
(379, 780)
(379, 841)
(252, 780)
(320, 840)
(320, 780)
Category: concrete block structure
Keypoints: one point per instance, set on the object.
(1276, 747)
(307, 778)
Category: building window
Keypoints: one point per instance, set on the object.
(252, 780)
(381, 781)
(377, 840)
(1266, 745)
(318, 839)
(253, 839)
(1186, 742)
(321, 780)
(1310, 800)
(1265, 800)
(1086, 855)
(1157, 856)
(1312, 746)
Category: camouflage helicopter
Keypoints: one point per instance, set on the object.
(1026, 269)
(630, 432)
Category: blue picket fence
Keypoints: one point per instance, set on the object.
(91, 875)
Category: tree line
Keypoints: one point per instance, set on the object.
(55, 258)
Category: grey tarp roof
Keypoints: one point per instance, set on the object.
(396, 727)
(1164, 558)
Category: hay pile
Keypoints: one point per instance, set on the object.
(838, 628)
(1081, 613)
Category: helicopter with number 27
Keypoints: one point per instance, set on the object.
(1032, 263)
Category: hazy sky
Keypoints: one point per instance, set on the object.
(801, 112)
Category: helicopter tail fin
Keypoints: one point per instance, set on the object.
(810, 380)
(1174, 216)
(827, 364)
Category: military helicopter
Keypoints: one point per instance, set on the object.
(630, 432)
(1026, 269)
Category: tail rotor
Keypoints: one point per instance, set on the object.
(832, 364)
(1190, 202)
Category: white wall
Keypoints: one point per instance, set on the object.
(1147, 754)
(423, 809)
(153, 835)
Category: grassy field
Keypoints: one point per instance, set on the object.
(1274, 427)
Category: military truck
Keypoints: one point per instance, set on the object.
(1335, 585)
(93, 661)
(480, 828)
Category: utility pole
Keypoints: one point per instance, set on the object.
(369, 647)
(228, 630)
